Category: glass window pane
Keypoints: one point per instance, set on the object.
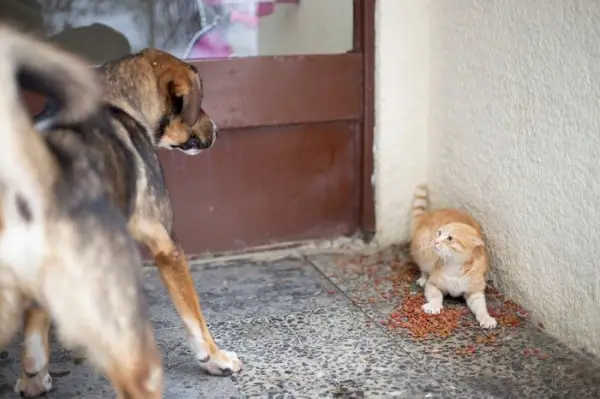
(101, 30)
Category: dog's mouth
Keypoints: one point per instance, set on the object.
(191, 151)
(194, 146)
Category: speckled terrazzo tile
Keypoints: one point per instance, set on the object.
(536, 355)
(275, 361)
(380, 388)
(183, 377)
(185, 380)
(492, 370)
(358, 356)
(362, 276)
(244, 290)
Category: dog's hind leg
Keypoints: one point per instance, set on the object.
(128, 356)
(35, 379)
(175, 274)
(11, 308)
(106, 319)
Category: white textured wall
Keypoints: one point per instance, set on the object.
(515, 138)
(401, 111)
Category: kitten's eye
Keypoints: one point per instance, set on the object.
(439, 233)
(449, 238)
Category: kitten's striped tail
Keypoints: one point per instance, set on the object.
(420, 203)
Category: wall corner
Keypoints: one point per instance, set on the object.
(402, 109)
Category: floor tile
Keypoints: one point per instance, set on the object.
(245, 290)
(302, 335)
(354, 352)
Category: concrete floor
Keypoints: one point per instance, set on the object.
(311, 327)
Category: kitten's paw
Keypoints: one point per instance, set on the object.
(488, 322)
(431, 309)
(421, 281)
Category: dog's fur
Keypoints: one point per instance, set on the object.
(64, 243)
(151, 100)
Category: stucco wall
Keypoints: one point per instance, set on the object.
(515, 138)
(402, 99)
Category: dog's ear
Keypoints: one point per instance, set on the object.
(192, 102)
(179, 81)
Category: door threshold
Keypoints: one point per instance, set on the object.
(273, 252)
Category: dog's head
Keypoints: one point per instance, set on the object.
(184, 126)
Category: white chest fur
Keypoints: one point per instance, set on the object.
(452, 281)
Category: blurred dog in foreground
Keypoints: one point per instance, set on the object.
(65, 250)
(150, 100)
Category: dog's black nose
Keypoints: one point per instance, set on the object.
(193, 142)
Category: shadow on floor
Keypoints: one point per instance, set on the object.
(319, 327)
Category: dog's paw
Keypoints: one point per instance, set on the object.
(488, 322)
(223, 363)
(421, 281)
(30, 387)
(431, 309)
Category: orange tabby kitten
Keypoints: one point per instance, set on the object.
(448, 247)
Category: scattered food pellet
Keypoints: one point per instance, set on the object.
(389, 277)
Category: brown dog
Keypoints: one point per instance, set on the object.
(64, 246)
(152, 100)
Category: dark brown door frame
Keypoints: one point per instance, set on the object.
(364, 39)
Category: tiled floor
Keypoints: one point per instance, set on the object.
(311, 327)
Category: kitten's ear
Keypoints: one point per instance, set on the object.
(478, 242)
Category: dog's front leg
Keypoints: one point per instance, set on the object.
(175, 274)
(35, 379)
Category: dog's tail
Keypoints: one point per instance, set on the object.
(420, 203)
(30, 64)
(44, 68)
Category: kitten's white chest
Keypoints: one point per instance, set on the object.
(454, 284)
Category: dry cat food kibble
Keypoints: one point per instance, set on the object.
(390, 277)
(420, 324)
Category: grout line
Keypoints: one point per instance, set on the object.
(384, 330)
(314, 265)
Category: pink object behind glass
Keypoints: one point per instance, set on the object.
(249, 21)
(210, 45)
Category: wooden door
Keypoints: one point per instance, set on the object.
(294, 158)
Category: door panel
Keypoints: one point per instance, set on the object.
(267, 91)
(262, 185)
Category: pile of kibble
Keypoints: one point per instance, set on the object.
(390, 276)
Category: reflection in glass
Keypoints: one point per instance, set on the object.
(101, 30)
